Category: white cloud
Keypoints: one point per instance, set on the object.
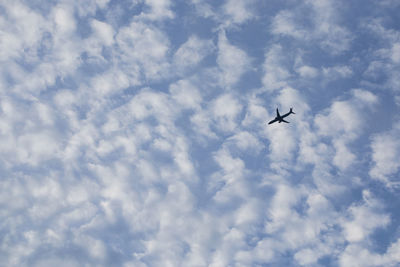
(343, 118)
(225, 110)
(102, 3)
(109, 83)
(192, 52)
(290, 98)
(276, 73)
(121, 145)
(103, 31)
(238, 10)
(95, 247)
(203, 9)
(343, 157)
(364, 220)
(363, 96)
(48, 47)
(89, 8)
(186, 94)
(36, 141)
(337, 72)
(281, 206)
(64, 19)
(245, 141)
(307, 71)
(229, 14)
(143, 50)
(255, 113)
(232, 61)
(384, 63)
(385, 154)
(160, 9)
(282, 145)
(306, 257)
(324, 29)
(343, 123)
(32, 148)
(22, 31)
(395, 53)
(333, 37)
(201, 123)
(284, 23)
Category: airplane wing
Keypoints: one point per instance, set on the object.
(274, 120)
(285, 121)
(277, 113)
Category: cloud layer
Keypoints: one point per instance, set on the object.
(133, 133)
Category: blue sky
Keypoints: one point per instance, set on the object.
(133, 133)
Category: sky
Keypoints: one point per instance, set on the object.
(134, 133)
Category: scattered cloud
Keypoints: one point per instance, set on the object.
(232, 61)
(385, 151)
(192, 52)
(321, 26)
(144, 50)
(276, 73)
(134, 133)
(238, 11)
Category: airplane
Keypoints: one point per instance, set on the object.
(280, 118)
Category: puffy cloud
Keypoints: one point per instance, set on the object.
(345, 117)
(343, 158)
(337, 72)
(245, 141)
(307, 71)
(64, 19)
(384, 61)
(238, 11)
(121, 145)
(284, 23)
(255, 112)
(23, 30)
(232, 61)
(143, 49)
(186, 94)
(159, 9)
(103, 31)
(358, 256)
(395, 53)
(344, 124)
(324, 29)
(225, 110)
(385, 153)
(229, 14)
(276, 73)
(333, 37)
(192, 52)
(204, 9)
(339, 121)
(364, 220)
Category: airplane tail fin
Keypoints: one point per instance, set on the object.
(291, 111)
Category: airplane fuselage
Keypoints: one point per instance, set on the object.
(280, 118)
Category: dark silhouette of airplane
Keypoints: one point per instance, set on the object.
(280, 118)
